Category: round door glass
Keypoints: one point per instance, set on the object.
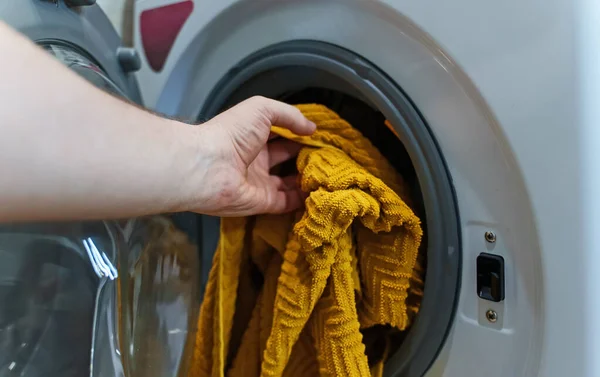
(82, 65)
(96, 298)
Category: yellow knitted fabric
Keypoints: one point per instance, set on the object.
(291, 295)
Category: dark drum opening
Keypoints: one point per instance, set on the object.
(316, 72)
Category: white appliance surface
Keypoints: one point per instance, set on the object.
(510, 93)
(509, 89)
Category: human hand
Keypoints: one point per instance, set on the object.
(236, 158)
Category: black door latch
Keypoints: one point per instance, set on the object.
(490, 277)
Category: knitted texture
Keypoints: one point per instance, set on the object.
(291, 295)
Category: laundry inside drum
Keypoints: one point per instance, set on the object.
(373, 125)
(310, 72)
(380, 341)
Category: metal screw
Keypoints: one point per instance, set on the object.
(490, 237)
(491, 315)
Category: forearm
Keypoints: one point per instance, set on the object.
(71, 151)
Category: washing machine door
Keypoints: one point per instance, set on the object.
(92, 298)
(81, 36)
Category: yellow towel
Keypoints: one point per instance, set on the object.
(291, 295)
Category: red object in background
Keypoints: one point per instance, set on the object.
(159, 28)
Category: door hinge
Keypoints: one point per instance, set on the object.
(128, 59)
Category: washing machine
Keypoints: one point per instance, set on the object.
(492, 113)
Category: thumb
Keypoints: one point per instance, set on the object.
(249, 124)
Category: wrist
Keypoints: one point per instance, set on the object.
(190, 163)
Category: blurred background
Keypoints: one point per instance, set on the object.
(120, 13)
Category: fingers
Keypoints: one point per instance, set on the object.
(287, 197)
(286, 201)
(282, 115)
(281, 151)
(290, 182)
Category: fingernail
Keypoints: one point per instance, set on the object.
(313, 126)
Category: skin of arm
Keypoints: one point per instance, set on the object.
(71, 151)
